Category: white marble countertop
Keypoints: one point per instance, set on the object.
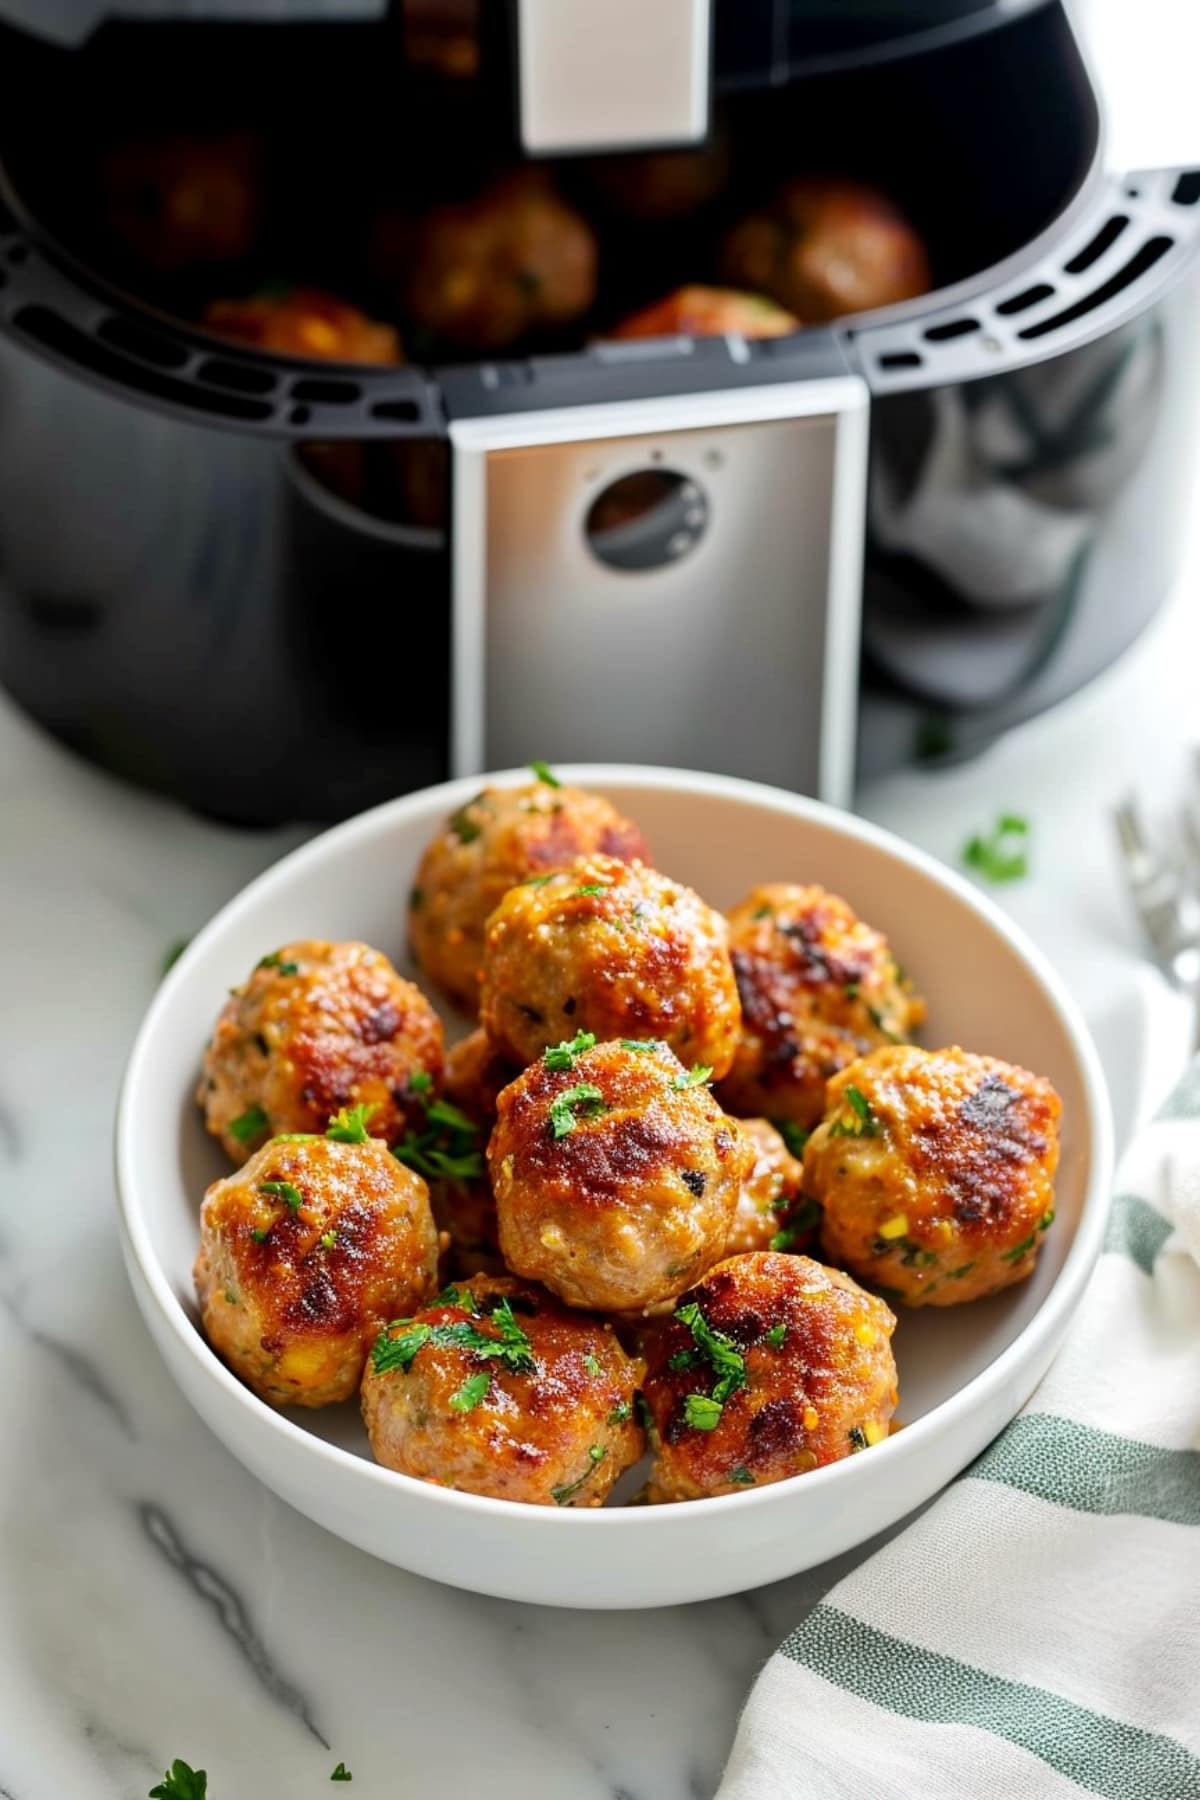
(155, 1601)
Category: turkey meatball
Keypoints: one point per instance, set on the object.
(616, 1174)
(615, 949)
(181, 202)
(696, 311)
(304, 1253)
(496, 1389)
(773, 1212)
(818, 987)
(317, 1027)
(771, 1367)
(304, 322)
(501, 837)
(935, 1169)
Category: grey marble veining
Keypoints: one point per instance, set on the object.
(155, 1600)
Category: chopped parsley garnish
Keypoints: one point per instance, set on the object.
(957, 1274)
(261, 1233)
(420, 1082)
(276, 962)
(876, 1018)
(562, 1056)
(858, 1438)
(1019, 1250)
(852, 990)
(740, 1477)
(471, 1392)
(538, 880)
(643, 1046)
(341, 1773)
(509, 1346)
(696, 1076)
(584, 1100)
(560, 1495)
(441, 1112)
(181, 1782)
(591, 888)
(775, 1337)
(545, 773)
(783, 1240)
(173, 953)
(328, 1239)
(349, 1126)
(250, 1124)
(457, 1296)
(865, 1123)
(647, 1419)
(591, 1364)
(285, 1191)
(1046, 1220)
(762, 912)
(465, 828)
(793, 1135)
(622, 1411)
(702, 1411)
(445, 1148)
(1003, 855)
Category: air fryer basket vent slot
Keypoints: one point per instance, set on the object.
(1030, 296)
(953, 328)
(900, 359)
(135, 340)
(1091, 253)
(326, 392)
(1186, 191)
(1151, 252)
(243, 378)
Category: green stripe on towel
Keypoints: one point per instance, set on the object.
(1119, 1761)
(1094, 1471)
(1184, 1100)
(1136, 1230)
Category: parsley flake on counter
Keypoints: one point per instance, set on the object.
(181, 1782)
(472, 1391)
(1003, 855)
(349, 1125)
(285, 1191)
(250, 1124)
(545, 773)
(696, 1076)
(341, 1773)
(865, 1123)
(562, 1056)
(584, 1100)
(276, 962)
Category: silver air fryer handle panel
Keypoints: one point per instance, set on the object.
(676, 580)
(612, 74)
(74, 21)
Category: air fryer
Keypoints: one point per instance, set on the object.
(280, 586)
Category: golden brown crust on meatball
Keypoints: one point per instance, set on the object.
(318, 1026)
(497, 1389)
(482, 273)
(697, 311)
(304, 321)
(935, 1169)
(616, 1175)
(500, 838)
(771, 1367)
(824, 248)
(773, 1212)
(615, 949)
(304, 1253)
(818, 988)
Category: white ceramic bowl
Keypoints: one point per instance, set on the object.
(963, 1372)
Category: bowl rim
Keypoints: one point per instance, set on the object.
(1042, 1329)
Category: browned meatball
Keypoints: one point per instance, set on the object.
(935, 1169)
(304, 1253)
(501, 837)
(485, 272)
(615, 949)
(180, 201)
(319, 1026)
(824, 248)
(616, 1174)
(497, 1389)
(818, 988)
(773, 1212)
(696, 311)
(773, 1366)
(303, 321)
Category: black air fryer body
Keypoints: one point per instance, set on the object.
(889, 537)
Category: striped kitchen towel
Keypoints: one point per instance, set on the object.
(1036, 1633)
